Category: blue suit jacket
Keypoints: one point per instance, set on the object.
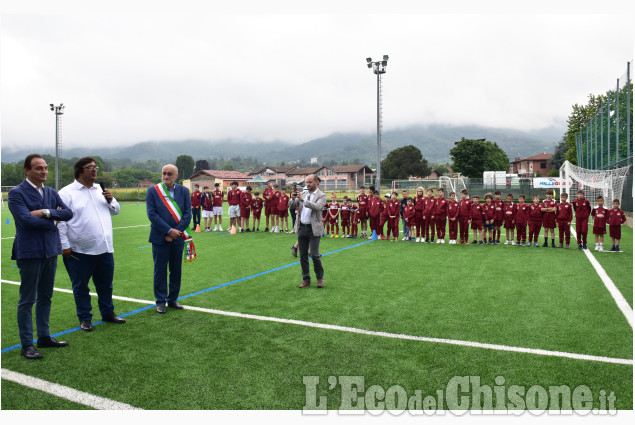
(160, 218)
(36, 237)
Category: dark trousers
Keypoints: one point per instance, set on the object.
(167, 256)
(307, 241)
(404, 224)
(196, 217)
(292, 213)
(37, 277)
(101, 268)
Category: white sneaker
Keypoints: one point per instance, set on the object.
(215, 228)
(220, 228)
(417, 240)
(442, 240)
(506, 243)
(597, 247)
(600, 248)
(513, 243)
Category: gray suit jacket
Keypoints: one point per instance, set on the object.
(316, 204)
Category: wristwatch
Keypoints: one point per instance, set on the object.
(46, 213)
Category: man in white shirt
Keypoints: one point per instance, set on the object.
(87, 245)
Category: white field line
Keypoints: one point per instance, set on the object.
(383, 334)
(128, 227)
(68, 393)
(623, 305)
(114, 228)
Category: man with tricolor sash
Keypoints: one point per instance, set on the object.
(169, 210)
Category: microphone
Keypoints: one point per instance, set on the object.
(103, 189)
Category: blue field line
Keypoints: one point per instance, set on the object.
(144, 246)
(4, 350)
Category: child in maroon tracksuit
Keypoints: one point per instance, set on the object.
(582, 209)
(453, 217)
(616, 219)
(464, 217)
(393, 206)
(440, 215)
(509, 211)
(600, 216)
(535, 221)
(409, 215)
(564, 216)
(428, 216)
(521, 217)
(419, 203)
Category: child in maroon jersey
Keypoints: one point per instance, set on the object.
(535, 220)
(333, 215)
(564, 216)
(374, 213)
(345, 216)
(266, 195)
(499, 207)
(275, 214)
(549, 218)
(582, 209)
(325, 219)
(208, 204)
(245, 209)
(217, 208)
(464, 217)
(509, 211)
(354, 209)
(256, 209)
(616, 219)
(440, 215)
(453, 216)
(428, 216)
(283, 210)
(418, 221)
(393, 206)
(384, 217)
(489, 210)
(363, 203)
(600, 215)
(476, 218)
(409, 216)
(520, 218)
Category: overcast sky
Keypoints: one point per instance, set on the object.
(126, 78)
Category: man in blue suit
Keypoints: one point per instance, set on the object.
(166, 235)
(35, 208)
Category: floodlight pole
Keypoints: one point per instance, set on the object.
(59, 110)
(379, 67)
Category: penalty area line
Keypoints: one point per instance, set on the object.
(621, 302)
(71, 394)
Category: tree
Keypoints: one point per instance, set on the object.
(471, 157)
(185, 165)
(228, 166)
(404, 162)
(441, 168)
(201, 164)
(580, 116)
(559, 154)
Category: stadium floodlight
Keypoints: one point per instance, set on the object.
(379, 68)
(59, 110)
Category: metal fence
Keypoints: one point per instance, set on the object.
(606, 141)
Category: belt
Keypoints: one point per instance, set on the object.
(305, 225)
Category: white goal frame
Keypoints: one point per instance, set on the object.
(608, 183)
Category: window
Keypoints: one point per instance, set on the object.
(330, 172)
(321, 172)
(543, 165)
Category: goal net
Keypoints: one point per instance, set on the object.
(447, 183)
(608, 183)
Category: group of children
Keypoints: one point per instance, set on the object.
(425, 216)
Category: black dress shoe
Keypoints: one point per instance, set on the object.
(47, 341)
(175, 305)
(161, 308)
(85, 325)
(113, 318)
(30, 353)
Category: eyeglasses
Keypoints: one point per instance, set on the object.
(91, 167)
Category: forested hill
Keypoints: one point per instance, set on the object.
(434, 141)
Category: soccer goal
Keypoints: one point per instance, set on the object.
(608, 183)
(447, 183)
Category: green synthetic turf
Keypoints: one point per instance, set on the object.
(519, 296)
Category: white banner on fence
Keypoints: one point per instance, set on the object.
(550, 182)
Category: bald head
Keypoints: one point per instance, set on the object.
(312, 182)
(169, 174)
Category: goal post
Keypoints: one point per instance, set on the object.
(608, 183)
(448, 184)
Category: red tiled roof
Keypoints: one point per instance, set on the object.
(222, 174)
(539, 157)
(300, 171)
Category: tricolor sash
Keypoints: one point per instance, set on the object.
(175, 211)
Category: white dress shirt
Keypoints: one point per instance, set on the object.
(90, 229)
(39, 189)
(305, 218)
